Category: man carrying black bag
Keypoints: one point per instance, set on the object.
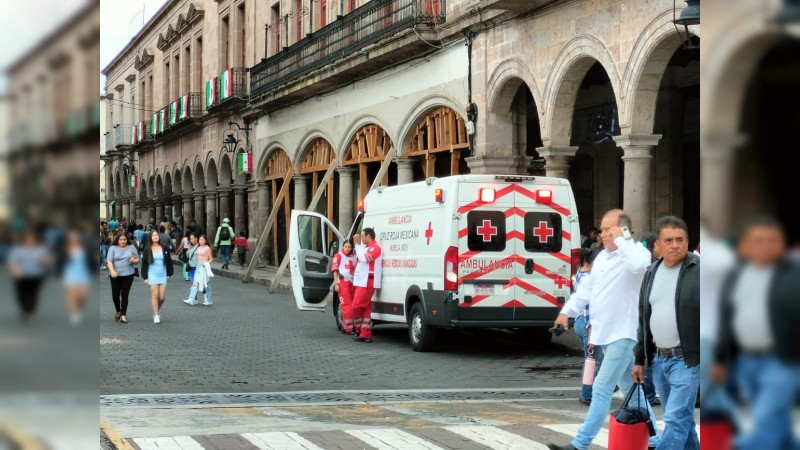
(669, 332)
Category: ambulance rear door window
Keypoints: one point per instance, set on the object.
(543, 232)
(486, 231)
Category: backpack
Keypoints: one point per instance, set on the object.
(224, 233)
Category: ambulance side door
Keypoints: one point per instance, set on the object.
(312, 243)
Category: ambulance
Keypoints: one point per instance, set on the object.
(465, 251)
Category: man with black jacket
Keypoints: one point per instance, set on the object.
(669, 331)
(759, 319)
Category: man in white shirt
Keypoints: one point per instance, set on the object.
(612, 288)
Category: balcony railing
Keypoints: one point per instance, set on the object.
(184, 107)
(122, 135)
(140, 133)
(366, 25)
(231, 83)
(109, 141)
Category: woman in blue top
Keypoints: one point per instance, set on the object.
(120, 260)
(156, 268)
(76, 267)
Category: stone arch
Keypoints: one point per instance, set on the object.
(563, 82)
(177, 183)
(511, 120)
(418, 112)
(366, 151)
(199, 177)
(276, 163)
(439, 130)
(305, 144)
(357, 124)
(645, 69)
(225, 172)
(510, 71)
(167, 183)
(188, 185)
(159, 192)
(151, 186)
(212, 179)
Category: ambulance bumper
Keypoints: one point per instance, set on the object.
(501, 323)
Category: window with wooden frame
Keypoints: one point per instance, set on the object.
(275, 169)
(369, 145)
(439, 140)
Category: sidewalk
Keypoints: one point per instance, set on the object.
(262, 275)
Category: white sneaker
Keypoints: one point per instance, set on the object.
(618, 395)
(207, 303)
(156, 319)
(189, 301)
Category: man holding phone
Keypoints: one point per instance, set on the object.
(612, 288)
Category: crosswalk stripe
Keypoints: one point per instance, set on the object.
(279, 440)
(392, 439)
(168, 443)
(571, 429)
(495, 438)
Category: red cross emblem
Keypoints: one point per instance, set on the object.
(349, 266)
(543, 232)
(429, 234)
(560, 282)
(487, 230)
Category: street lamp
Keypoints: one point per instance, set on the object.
(231, 143)
(690, 16)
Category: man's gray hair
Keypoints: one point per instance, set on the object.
(625, 221)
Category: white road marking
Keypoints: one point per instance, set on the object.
(168, 443)
(571, 430)
(496, 438)
(280, 441)
(392, 439)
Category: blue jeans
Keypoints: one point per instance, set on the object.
(770, 388)
(583, 335)
(103, 254)
(678, 387)
(616, 369)
(225, 253)
(195, 291)
(191, 270)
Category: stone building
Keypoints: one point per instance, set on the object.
(600, 92)
(53, 123)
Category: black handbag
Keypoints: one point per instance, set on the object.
(627, 414)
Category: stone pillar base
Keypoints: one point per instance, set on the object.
(498, 165)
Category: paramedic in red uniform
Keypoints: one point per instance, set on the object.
(343, 264)
(366, 279)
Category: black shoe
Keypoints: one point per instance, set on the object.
(656, 402)
(360, 339)
(561, 447)
(585, 401)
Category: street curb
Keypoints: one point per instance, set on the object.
(239, 275)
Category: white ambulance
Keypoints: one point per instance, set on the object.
(462, 251)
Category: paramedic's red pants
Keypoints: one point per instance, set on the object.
(362, 310)
(346, 304)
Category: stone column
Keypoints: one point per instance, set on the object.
(557, 160)
(264, 200)
(151, 211)
(118, 209)
(346, 201)
(126, 208)
(188, 210)
(240, 207)
(132, 209)
(177, 206)
(167, 208)
(717, 162)
(637, 197)
(252, 208)
(109, 212)
(159, 210)
(405, 170)
(224, 195)
(200, 211)
(300, 192)
(211, 215)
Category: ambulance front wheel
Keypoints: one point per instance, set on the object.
(421, 335)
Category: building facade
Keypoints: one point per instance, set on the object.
(53, 124)
(603, 94)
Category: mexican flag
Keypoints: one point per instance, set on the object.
(140, 132)
(154, 124)
(133, 181)
(161, 120)
(173, 113)
(226, 84)
(183, 108)
(134, 135)
(244, 162)
(211, 92)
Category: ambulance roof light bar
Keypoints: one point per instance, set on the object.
(514, 178)
(544, 196)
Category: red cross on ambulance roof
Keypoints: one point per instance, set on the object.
(486, 230)
(543, 232)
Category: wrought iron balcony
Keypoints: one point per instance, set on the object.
(110, 141)
(122, 135)
(366, 25)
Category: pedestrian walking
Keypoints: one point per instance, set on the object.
(224, 241)
(669, 332)
(156, 269)
(120, 263)
(242, 247)
(583, 325)
(28, 262)
(105, 242)
(202, 274)
(343, 264)
(76, 267)
(758, 334)
(611, 289)
(184, 253)
(366, 278)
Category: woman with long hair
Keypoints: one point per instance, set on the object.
(184, 250)
(122, 255)
(156, 269)
(202, 273)
(76, 268)
(28, 263)
(344, 263)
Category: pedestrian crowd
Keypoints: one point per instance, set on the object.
(129, 250)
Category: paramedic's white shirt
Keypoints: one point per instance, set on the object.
(612, 290)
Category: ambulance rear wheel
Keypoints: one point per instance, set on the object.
(421, 335)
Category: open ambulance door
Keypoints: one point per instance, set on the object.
(312, 243)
